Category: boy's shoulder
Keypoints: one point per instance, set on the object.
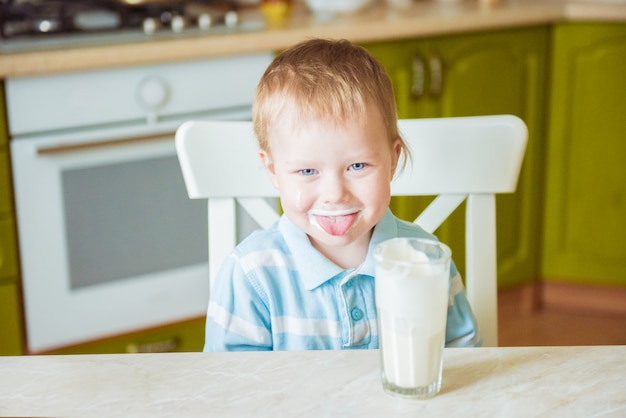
(262, 239)
(410, 229)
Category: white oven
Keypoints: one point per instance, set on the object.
(109, 241)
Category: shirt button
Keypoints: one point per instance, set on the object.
(356, 314)
(349, 283)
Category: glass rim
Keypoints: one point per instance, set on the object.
(446, 252)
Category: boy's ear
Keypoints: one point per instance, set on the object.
(397, 150)
(268, 163)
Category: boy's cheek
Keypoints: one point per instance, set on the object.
(294, 200)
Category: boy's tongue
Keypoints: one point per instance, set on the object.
(336, 225)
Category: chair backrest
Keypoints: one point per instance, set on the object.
(456, 159)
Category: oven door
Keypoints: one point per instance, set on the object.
(109, 240)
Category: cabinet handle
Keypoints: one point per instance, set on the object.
(417, 89)
(65, 148)
(163, 346)
(436, 75)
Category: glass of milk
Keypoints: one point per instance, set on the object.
(412, 281)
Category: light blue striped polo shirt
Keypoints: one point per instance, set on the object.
(276, 292)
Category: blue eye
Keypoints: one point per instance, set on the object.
(308, 171)
(357, 166)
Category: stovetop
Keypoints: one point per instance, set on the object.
(45, 24)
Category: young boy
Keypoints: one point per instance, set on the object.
(325, 118)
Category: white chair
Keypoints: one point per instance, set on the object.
(457, 159)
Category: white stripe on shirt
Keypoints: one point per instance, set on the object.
(305, 326)
(235, 324)
(456, 287)
(264, 258)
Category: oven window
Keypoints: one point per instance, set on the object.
(130, 219)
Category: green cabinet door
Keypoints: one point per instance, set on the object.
(11, 325)
(11, 341)
(483, 73)
(406, 62)
(585, 208)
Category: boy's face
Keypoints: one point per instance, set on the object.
(333, 179)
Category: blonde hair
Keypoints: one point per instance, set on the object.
(325, 79)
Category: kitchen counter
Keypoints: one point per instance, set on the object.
(379, 22)
(477, 382)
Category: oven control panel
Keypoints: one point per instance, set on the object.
(134, 95)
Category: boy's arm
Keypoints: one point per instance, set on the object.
(461, 327)
(237, 317)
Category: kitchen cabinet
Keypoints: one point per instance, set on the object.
(11, 329)
(187, 336)
(11, 342)
(492, 72)
(584, 237)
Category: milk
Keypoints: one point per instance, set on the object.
(412, 302)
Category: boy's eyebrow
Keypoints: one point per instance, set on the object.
(298, 162)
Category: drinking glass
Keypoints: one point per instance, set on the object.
(412, 283)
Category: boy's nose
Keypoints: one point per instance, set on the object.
(334, 190)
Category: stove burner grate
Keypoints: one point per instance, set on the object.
(43, 18)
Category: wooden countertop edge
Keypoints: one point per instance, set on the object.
(609, 12)
(420, 21)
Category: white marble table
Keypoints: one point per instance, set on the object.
(481, 382)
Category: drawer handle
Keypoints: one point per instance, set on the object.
(163, 346)
(436, 75)
(417, 88)
(66, 148)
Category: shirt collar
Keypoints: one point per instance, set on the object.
(314, 268)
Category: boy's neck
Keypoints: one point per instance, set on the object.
(346, 257)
